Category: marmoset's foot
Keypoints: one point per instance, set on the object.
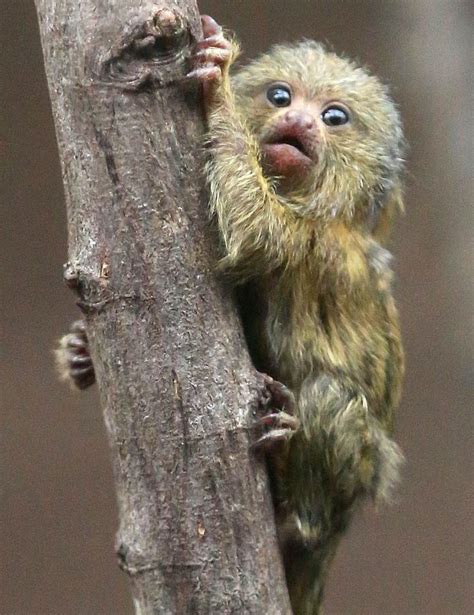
(278, 403)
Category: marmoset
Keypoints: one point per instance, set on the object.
(304, 172)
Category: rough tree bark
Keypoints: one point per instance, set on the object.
(196, 528)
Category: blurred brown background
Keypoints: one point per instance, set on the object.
(58, 513)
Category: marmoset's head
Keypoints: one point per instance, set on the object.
(329, 133)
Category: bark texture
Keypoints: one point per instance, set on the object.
(196, 528)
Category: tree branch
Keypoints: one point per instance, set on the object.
(196, 522)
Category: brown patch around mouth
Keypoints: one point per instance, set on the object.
(290, 141)
(285, 159)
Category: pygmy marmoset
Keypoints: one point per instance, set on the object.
(304, 177)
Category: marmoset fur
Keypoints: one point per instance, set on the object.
(304, 171)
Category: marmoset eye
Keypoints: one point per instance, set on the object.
(279, 95)
(335, 116)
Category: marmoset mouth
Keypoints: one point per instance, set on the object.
(286, 154)
(289, 141)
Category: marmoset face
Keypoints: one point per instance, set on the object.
(321, 121)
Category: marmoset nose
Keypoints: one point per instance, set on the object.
(299, 118)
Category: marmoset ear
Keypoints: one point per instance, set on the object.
(391, 205)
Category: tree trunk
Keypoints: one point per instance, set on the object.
(179, 392)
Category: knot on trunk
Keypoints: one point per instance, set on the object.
(151, 55)
(95, 292)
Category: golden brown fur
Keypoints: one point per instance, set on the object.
(309, 259)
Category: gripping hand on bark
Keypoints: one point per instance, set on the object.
(73, 359)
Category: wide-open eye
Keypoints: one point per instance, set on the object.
(279, 95)
(335, 116)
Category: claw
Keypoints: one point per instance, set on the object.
(270, 439)
(217, 40)
(74, 341)
(210, 27)
(280, 419)
(83, 378)
(207, 73)
(80, 361)
(212, 55)
(276, 395)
